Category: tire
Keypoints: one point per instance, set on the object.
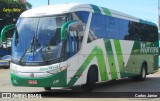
(92, 78)
(47, 88)
(6, 67)
(142, 75)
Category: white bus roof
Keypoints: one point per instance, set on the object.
(72, 7)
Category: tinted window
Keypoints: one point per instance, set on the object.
(98, 25)
(142, 32)
(83, 16)
(112, 28)
(123, 28)
(116, 28)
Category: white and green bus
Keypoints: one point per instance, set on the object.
(81, 44)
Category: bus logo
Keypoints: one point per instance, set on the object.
(32, 75)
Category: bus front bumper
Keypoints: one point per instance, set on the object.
(55, 80)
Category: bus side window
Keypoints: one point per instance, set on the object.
(97, 27)
(91, 37)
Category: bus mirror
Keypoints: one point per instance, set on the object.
(64, 31)
(4, 30)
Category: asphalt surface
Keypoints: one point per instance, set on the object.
(151, 84)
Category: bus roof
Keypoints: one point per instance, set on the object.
(72, 7)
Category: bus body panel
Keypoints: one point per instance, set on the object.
(111, 65)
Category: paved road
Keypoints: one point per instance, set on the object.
(152, 84)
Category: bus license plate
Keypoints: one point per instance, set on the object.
(33, 82)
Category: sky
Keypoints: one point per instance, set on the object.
(143, 9)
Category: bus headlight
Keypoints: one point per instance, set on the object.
(54, 71)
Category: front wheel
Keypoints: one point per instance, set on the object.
(91, 80)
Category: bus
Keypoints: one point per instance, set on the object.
(74, 44)
(5, 45)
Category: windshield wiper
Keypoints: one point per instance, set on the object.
(32, 44)
(37, 44)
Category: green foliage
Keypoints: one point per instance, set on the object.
(10, 10)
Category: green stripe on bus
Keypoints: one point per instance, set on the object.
(111, 60)
(106, 11)
(119, 55)
(98, 53)
(96, 9)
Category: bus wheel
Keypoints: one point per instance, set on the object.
(92, 78)
(47, 88)
(142, 75)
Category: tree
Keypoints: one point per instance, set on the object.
(10, 10)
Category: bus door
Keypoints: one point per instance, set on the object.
(72, 57)
(72, 48)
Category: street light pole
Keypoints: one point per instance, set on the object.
(159, 14)
(48, 2)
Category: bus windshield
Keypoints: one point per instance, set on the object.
(37, 39)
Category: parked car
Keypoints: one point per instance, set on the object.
(5, 61)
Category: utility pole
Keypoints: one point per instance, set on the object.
(159, 14)
(48, 2)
